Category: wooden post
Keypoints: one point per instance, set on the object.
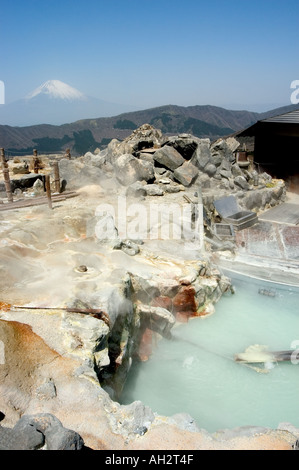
(57, 177)
(68, 153)
(48, 190)
(35, 161)
(5, 170)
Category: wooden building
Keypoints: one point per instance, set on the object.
(276, 147)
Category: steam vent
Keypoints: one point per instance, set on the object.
(101, 257)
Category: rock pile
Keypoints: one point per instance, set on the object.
(149, 163)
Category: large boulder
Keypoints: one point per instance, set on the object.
(186, 174)
(210, 169)
(146, 136)
(159, 319)
(241, 182)
(185, 144)
(222, 149)
(168, 157)
(154, 190)
(129, 169)
(31, 432)
(202, 156)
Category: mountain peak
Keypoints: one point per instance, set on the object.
(57, 89)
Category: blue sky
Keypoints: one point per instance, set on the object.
(231, 53)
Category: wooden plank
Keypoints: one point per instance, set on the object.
(286, 213)
(48, 191)
(36, 201)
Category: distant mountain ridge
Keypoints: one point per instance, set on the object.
(55, 102)
(87, 134)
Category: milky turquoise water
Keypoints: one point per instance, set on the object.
(195, 372)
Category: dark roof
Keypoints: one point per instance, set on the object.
(291, 117)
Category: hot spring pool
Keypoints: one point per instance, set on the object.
(196, 372)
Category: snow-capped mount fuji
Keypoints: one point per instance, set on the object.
(57, 89)
(55, 102)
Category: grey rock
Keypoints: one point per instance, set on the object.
(168, 157)
(47, 390)
(241, 182)
(136, 189)
(145, 289)
(77, 175)
(210, 170)
(278, 192)
(129, 169)
(231, 183)
(136, 418)
(32, 432)
(145, 137)
(225, 165)
(216, 158)
(129, 247)
(141, 430)
(266, 177)
(22, 437)
(204, 180)
(201, 156)
(232, 143)
(59, 438)
(147, 157)
(225, 184)
(172, 189)
(56, 436)
(185, 421)
(253, 200)
(266, 197)
(223, 148)
(105, 227)
(236, 170)
(154, 190)
(160, 319)
(38, 188)
(185, 144)
(225, 174)
(186, 174)
(160, 171)
(164, 180)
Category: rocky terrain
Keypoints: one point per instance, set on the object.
(89, 286)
